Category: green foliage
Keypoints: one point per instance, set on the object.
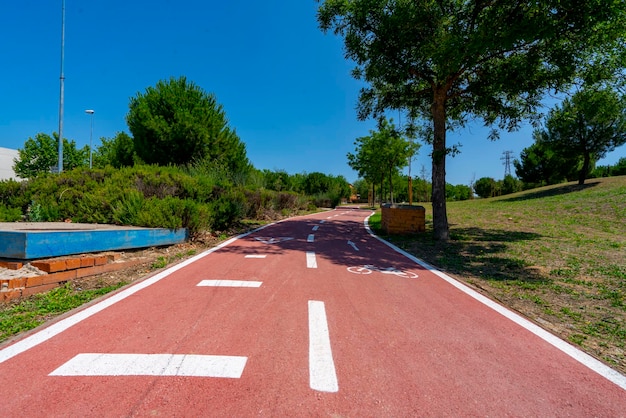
(382, 154)
(41, 155)
(485, 187)
(540, 165)
(8, 214)
(587, 126)
(511, 185)
(458, 192)
(118, 152)
(34, 311)
(176, 122)
(488, 187)
(196, 197)
(449, 61)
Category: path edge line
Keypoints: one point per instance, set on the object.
(574, 352)
(51, 331)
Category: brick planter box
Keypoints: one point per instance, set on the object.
(403, 219)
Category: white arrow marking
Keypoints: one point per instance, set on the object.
(353, 245)
(88, 364)
(322, 374)
(229, 283)
(311, 262)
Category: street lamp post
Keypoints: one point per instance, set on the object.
(90, 112)
(62, 79)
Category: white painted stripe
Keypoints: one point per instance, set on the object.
(310, 238)
(316, 227)
(311, 261)
(322, 374)
(58, 327)
(88, 364)
(353, 245)
(255, 256)
(323, 221)
(578, 355)
(229, 283)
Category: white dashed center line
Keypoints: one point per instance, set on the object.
(229, 283)
(322, 375)
(311, 261)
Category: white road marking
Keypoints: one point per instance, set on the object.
(311, 261)
(58, 327)
(255, 256)
(271, 240)
(578, 355)
(229, 283)
(323, 221)
(88, 364)
(322, 374)
(353, 245)
(310, 238)
(316, 227)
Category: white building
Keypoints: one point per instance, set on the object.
(7, 156)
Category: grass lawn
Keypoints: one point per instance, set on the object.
(555, 254)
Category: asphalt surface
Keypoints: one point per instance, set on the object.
(307, 317)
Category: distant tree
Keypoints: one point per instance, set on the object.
(382, 154)
(449, 61)
(485, 187)
(458, 192)
(118, 152)
(511, 185)
(176, 122)
(587, 126)
(619, 169)
(539, 165)
(40, 155)
(361, 188)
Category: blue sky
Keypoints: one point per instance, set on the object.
(285, 86)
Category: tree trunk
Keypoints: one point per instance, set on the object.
(440, 216)
(391, 185)
(582, 174)
(382, 189)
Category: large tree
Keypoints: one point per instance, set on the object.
(382, 154)
(176, 122)
(40, 155)
(586, 127)
(448, 61)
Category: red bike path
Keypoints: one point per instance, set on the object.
(312, 316)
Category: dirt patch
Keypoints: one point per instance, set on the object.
(156, 258)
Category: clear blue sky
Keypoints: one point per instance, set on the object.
(285, 86)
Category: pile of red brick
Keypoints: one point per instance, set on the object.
(58, 271)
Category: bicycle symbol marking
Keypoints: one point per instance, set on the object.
(271, 240)
(369, 268)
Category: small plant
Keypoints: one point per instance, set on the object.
(160, 263)
(35, 212)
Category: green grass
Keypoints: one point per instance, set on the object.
(556, 254)
(162, 261)
(37, 309)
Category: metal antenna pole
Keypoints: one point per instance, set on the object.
(62, 79)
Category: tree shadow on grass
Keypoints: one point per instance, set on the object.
(553, 191)
(474, 252)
